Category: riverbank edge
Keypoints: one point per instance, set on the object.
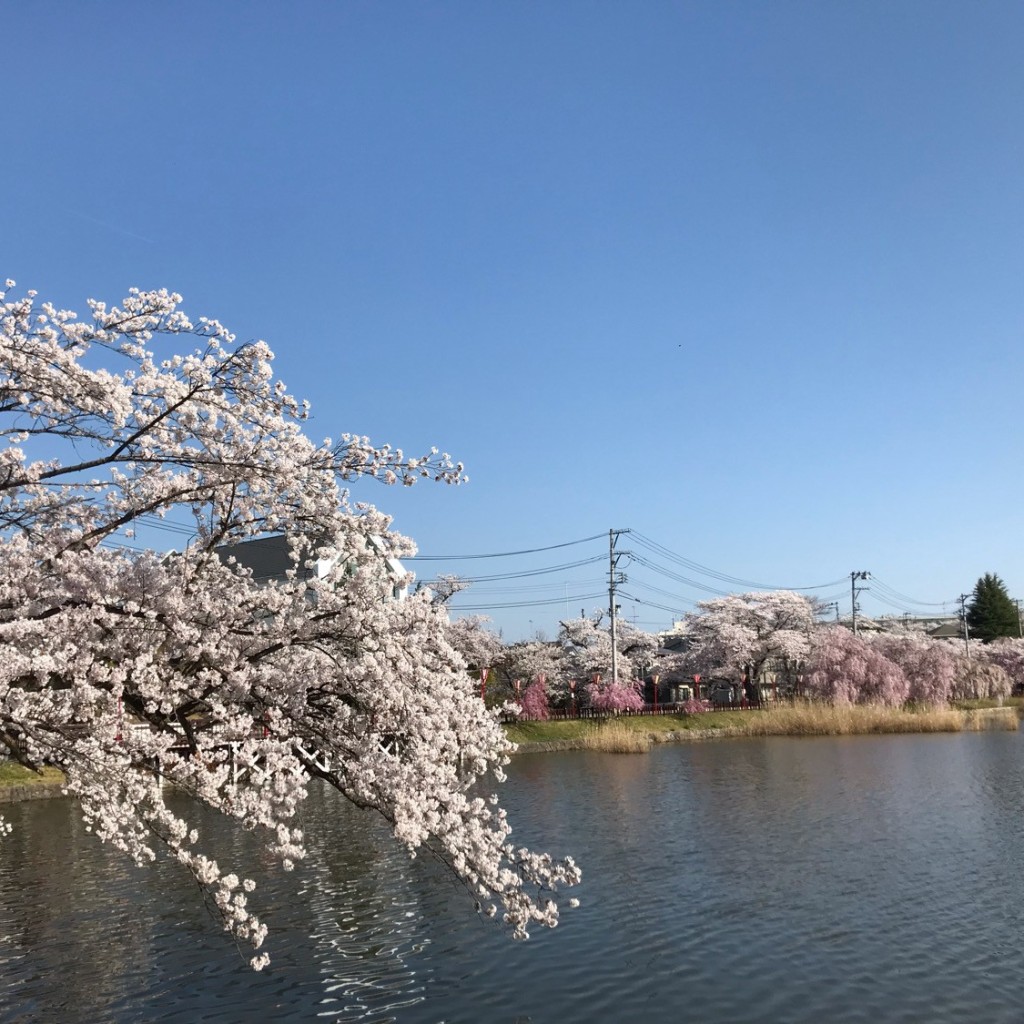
(672, 736)
(728, 732)
(15, 792)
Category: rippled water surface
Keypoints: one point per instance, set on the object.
(856, 879)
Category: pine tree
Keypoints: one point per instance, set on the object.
(991, 612)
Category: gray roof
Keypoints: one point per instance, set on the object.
(947, 629)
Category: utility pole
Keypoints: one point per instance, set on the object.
(614, 579)
(854, 591)
(1020, 624)
(967, 629)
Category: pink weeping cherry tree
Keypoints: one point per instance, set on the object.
(115, 658)
(929, 665)
(534, 701)
(1008, 654)
(843, 669)
(614, 697)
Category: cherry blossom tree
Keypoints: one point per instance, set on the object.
(642, 650)
(531, 658)
(741, 633)
(443, 588)
(534, 701)
(1008, 654)
(586, 649)
(483, 651)
(116, 658)
(614, 697)
(930, 666)
(844, 669)
(979, 679)
(527, 660)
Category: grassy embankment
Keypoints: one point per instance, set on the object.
(12, 774)
(636, 734)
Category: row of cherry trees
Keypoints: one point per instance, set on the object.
(753, 637)
(574, 671)
(896, 668)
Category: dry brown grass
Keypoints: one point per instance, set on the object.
(616, 737)
(636, 735)
(826, 720)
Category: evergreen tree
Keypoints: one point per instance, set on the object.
(991, 612)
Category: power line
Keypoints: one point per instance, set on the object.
(545, 588)
(666, 553)
(910, 600)
(529, 572)
(169, 526)
(672, 556)
(518, 604)
(664, 593)
(650, 604)
(501, 554)
(672, 575)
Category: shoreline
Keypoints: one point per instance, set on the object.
(857, 723)
(835, 722)
(670, 736)
(18, 792)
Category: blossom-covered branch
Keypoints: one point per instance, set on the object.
(118, 662)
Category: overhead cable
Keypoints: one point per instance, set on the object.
(501, 554)
(877, 584)
(519, 604)
(530, 572)
(672, 556)
(650, 604)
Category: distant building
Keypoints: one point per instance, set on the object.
(270, 560)
(949, 629)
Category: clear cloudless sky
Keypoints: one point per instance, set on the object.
(742, 277)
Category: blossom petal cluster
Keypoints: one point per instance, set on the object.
(133, 669)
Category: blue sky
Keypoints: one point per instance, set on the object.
(742, 277)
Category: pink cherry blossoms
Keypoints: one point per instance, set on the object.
(534, 700)
(117, 659)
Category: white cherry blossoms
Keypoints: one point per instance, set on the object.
(123, 666)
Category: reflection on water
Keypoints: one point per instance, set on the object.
(754, 880)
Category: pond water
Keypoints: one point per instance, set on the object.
(853, 879)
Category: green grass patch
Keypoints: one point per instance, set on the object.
(546, 732)
(12, 773)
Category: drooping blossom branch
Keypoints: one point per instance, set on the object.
(118, 661)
